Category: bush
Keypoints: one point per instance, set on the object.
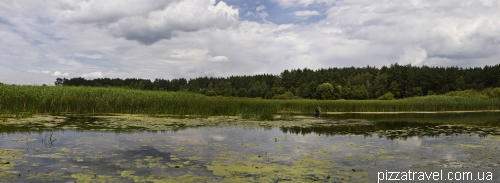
(493, 93)
(387, 96)
(285, 96)
(464, 93)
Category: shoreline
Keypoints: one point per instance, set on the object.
(413, 112)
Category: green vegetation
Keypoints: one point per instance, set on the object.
(348, 83)
(19, 101)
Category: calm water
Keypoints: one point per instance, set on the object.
(213, 154)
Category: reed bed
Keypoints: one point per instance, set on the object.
(92, 100)
(16, 99)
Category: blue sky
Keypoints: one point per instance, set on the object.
(276, 14)
(45, 39)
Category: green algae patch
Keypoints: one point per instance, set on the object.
(8, 160)
(80, 177)
(10, 154)
(127, 173)
(255, 171)
(53, 155)
(49, 176)
(472, 146)
(9, 175)
(141, 122)
(65, 150)
(163, 179)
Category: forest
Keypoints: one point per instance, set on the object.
(351, 83)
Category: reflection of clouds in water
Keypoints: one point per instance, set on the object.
(195, 139)
(218, 137)
(410, 142)
(343, 150)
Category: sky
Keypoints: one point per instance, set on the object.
(41, 40)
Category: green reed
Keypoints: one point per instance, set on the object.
(93, 100)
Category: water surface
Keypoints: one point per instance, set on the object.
(340, 152)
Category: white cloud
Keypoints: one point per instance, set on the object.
(91, 56)
(150, 24)
(306, 13)
(260, 12)
(39, 72)
(93, 75)
(413, 55)
(40, 38)
(194, 54)
(304, 3)
(58, 73)
(219, 59)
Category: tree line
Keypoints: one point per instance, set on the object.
(367, 82)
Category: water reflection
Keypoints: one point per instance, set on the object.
(220, 153)
(341, 152)
(472, 118)
(395, 130)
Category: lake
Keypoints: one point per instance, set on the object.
(334, 148)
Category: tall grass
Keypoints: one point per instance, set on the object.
(91, 100)
(427, 103)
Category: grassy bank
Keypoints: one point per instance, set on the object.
(92, 100)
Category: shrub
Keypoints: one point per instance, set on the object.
(387, 96)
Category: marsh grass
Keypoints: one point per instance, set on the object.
(23, 101)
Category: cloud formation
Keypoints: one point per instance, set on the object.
(93, 75)
(293, 3)
(306, 13)
(152, 21)
(58, 73)
(42, 40)
(220, 59)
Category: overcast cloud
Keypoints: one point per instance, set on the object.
(42, 40)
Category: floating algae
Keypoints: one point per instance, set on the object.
(80, 177)
(48, 176)
(217, 149)
(8, 159)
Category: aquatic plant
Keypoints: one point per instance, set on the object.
(23, 101)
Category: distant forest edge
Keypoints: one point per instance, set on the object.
(395, 81)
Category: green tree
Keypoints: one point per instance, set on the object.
(252, 93)
(380, 85)
(302, 91)
(285, 96)
(311, 90)
(242, 92)
(445, 89)
(347, 92)
(293, 90)
(460, 83)
(417, 91)
(361, 93)
(394, 89)
(338, 92)
(326, 91)
(59, 82)
(278, 90)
